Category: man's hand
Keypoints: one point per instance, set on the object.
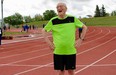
(78, 43)
(51, 45)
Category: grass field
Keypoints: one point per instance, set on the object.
(38, 24)
(99, 21)
(13, 33)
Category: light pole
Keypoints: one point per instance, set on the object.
(2, 22)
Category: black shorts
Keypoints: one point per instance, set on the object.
(67, 62)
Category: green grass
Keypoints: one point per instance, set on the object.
(38, 24)
(13, 33)
(100, 21)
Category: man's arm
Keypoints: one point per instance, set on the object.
(84, 30)
(44, 33)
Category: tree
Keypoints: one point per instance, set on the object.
(107, 14)
(97, 11)
(102, 11)
(15, 19)
(38, 17)
(27, 19)
(48, 14)
(113, 13)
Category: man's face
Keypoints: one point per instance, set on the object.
(61, 9)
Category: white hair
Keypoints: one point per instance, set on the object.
(62, 4)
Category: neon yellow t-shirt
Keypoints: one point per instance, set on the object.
(63, 31)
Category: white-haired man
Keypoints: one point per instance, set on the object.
(63, 29)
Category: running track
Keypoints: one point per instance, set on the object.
(96, 56)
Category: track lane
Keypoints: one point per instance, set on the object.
(29, 72)
(15, 57)
(46, 67)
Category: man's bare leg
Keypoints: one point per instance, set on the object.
(71, 72)
(61, 72)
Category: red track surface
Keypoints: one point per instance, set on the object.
(96, 56)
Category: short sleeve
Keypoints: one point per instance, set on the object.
(78, 23)
(48, 26)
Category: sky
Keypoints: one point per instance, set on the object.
(75, 7)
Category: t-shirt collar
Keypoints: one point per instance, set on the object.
(62, 18)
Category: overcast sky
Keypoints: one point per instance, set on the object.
(75, 7)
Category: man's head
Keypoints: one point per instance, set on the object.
(61, 9)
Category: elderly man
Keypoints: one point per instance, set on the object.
(64, 45)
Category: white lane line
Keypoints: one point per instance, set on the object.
(99, 65)
(36, 50)
(95, 46)
(34, 46)
(23, 65)
(90, 32)
(98, 38)
(30, 58)
(33, 69)
(22, 40)
(95, 62)
(95, 34)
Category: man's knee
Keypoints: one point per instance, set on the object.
(71, 72)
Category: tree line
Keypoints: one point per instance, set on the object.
(101, 12)
(17, 18)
